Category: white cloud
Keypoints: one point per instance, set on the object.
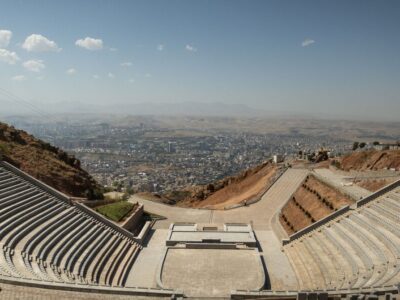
(34, 65)
(190, 48)
(160, 47)
(8, 56)
(126, 64)
(131, 80)
(39, 43)
(95, 76)
(111, 75)
(5, 37)
(90, 43)
(40, 77)
(113, 49)
(147, 75)
(18, 78)
(71, 71)
(307, 42)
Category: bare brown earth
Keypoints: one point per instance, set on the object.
(155, 197)
(246, 186)
(371, 160)
(311, 202)
(374, 184)
(47, 163)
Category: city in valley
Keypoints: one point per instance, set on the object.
(161, 153)
(202, 149)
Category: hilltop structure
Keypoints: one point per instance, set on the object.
(51, 244)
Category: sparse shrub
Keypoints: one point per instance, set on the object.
(210, 187)
(94, 194)
(336, 163)
(4, 149)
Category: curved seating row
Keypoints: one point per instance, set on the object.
(45, 238)
(357, 250)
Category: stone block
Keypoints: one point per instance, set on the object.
(302, 296)
(312, 296)
(323, 296)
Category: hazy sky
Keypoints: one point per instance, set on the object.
(331, 57)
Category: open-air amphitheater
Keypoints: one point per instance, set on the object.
(55, 248)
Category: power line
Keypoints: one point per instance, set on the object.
(10, 97)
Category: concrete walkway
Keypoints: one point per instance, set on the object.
(259, 214)
(279, 270)
(339, 180)
(172, 213)
(144, 270)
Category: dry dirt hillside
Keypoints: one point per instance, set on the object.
(371, 160)
(246, 186)
(47, 163)
(375, 184)
(312, 201)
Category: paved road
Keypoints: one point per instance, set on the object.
(259, 214)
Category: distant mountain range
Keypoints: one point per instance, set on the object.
(145, 108)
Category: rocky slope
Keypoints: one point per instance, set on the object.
(47, 163)
(375, 184)
(371, 160)
(246, 186)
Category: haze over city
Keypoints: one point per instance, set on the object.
(336, 59)
(200, 149)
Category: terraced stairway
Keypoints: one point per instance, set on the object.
(356, 250)
(45, 237)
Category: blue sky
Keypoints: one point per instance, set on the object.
(337, 58)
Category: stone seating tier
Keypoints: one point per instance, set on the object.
(44, 237)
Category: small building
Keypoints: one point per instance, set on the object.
(278, 158)
(391, 146)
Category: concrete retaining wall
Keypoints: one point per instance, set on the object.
(94, 203)
(277, 228)
(132, 221)
(378, 193)
(316, 294)
(36, 182)
(87, 288)
(145, 230)
(317, 224)
(102, 219)
(210, 246)
(337, 188)
(342, 211)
